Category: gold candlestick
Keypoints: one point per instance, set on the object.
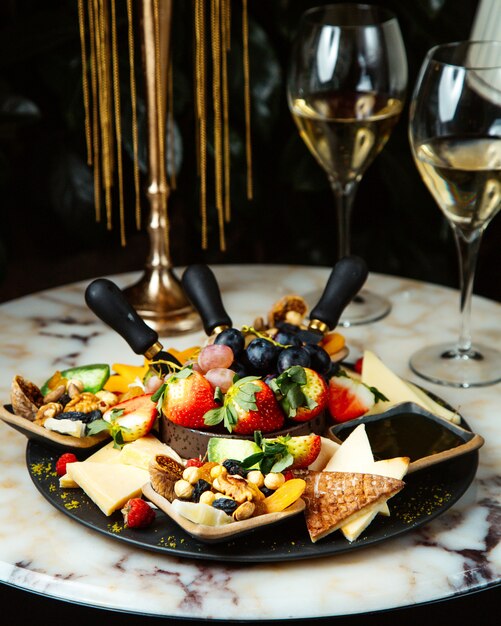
(158, 297)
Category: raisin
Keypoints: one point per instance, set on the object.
(198, 489)
(234, 467)
(86, 418)
(64, 399)
(225, 504)
(266, 491)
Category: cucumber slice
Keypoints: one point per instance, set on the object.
(221, 448)
(93, 377)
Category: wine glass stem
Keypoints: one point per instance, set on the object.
(344, 202)
(468, 247)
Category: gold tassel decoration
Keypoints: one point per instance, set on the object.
(133, 99)
(99, 44)
(200, 82)
(247, 96)
(118, 125)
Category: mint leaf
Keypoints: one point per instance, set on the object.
(378, 395)
(286, 461)
(214, 416)
(97, 426)
(251, 460)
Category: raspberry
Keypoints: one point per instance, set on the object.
(358, 365)
(138, 513)
(63, 460)
(288, 474)
(194, 463)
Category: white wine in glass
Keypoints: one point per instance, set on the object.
(455, 135)
(346, 87)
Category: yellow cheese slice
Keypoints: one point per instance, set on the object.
(327, 449)
(140, 452)
(106, 454)
(109, 485)
(376, 374)
(353, 455)
(393, 468)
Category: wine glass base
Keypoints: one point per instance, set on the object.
(444, 364)
(366, 307)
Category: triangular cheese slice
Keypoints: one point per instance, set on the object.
(376, 374)
(141, 451)
(355, 455)
(392, 468)
(334, 499)
(109, 485)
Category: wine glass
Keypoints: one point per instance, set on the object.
(455, 136)
(346, 86)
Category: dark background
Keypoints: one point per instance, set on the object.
(48, 233)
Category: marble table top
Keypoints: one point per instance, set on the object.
(44, 551)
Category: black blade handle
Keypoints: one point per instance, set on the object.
(345, 281)
(107, 301)
(201, 288)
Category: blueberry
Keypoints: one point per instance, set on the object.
(262, 355)
(287, 338)
(333, 370)
(292, 356)
(320, 359)
(233, 338)
(239, 368)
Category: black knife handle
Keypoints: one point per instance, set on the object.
(108, 302)
(346, 279)
(201, 288)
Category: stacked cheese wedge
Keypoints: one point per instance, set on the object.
(351, 489)
(112, 476)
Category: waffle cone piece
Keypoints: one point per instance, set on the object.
(334, 499)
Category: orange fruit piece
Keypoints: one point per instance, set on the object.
(333, 342)
(284, 496)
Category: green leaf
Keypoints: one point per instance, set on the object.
(286, 461)
(251, 460)
(214, 416)
(378, 395)
(97, 426)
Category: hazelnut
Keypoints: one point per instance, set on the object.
(274, 480)
(191, 474)
(183, 489)
(207, 497)
(256, 478)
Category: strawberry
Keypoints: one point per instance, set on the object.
(302, 393)
(349, 398)
(194, 463)
(63, 460)
(284, 452)
(249, 405)
(137, 513)
(185, 397)
(304, 449)
(128, 420)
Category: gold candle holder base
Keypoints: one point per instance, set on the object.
(160, 301)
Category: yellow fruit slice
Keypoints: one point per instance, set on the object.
(333, 342)
(284, 496)
(184, 355)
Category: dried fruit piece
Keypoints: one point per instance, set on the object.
(26, 398)
(284, 496)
